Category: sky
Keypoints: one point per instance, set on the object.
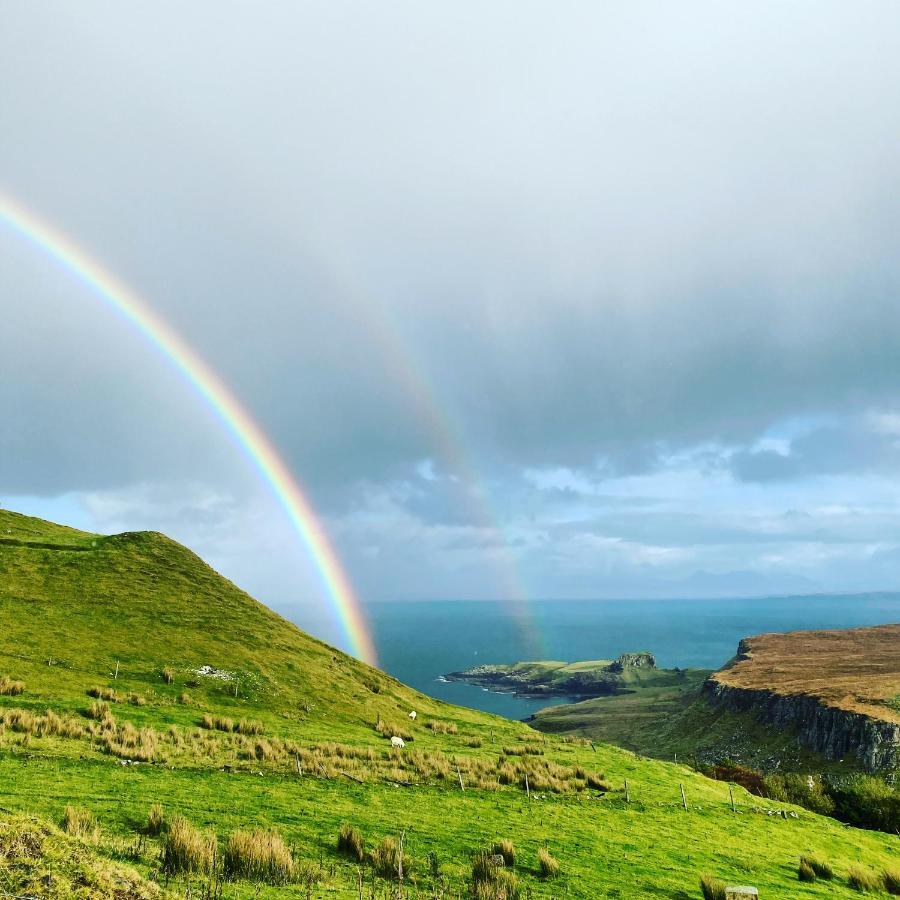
(574, 300)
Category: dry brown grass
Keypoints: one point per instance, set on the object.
(712, 888)
(187, 850)
(103, 694)
(11, 688)
(258, 855)
(81, 823)
(547, 864)
(856, 669)
(439, 727)
(385, 858)
(392, 729)
(505, 849)
(168, 675)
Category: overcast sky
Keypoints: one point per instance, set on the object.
(563, 300)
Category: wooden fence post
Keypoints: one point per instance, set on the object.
(116, 676)
(627, 795)
(527, 788)
(683, 799)
(731, 797)
(462, 787)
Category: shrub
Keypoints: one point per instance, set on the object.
(258, 855)
(820, 867)
(385, 858)
(505, 849)
(805, 871)
(156, 821)
(868, 802)
(187, 850)
(862, 879)
(10, 688)
(350, 842)
(168, 675)
(712, 888)
(891, 878)
(80, 823)
(548, 865)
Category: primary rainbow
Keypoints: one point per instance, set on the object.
(243, 429)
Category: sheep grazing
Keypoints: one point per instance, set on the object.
(397, 742)
(412, 715)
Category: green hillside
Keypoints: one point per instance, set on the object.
(225, 714)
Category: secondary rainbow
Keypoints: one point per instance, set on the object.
(247, 435)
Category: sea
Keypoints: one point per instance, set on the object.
(420, 642)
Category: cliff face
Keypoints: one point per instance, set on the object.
(837, 733)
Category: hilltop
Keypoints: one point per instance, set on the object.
(138, 686)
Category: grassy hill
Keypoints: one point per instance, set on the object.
(131, 675)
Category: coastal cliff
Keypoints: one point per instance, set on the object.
(832, 714)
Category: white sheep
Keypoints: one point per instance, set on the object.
(412, 715)
(397, 742)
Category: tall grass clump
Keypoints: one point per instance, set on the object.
(505, 849)
(492, 882)
(805, 871)
(187, 850)
(156, 821)
(168, 675)
(548, 864)
(258, 855)
(712, 888)
(103, 693)
(819, 866)
(385, 858)
(891, 878)
(442, 727)
(11, 688)
(350, 842)
(80, 823)
(862, 879)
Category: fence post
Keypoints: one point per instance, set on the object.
(459, 776)
(527, 788)
(683, 799)
(116, 676)
(627, 795)
(731, 797)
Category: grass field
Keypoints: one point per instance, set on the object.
(114, 636)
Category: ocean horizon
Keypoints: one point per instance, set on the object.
(419, 642)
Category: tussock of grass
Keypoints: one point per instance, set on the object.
(103, 694)
(863, 879)
(186, 850)
(891, 879)
(156, 821)
(439, 727)
(11, 688)
(80, 823)
(184, 698)
(505, 849)
(258, 855)
(385, 858)
(547, 864)
(391, 729)
(712, 888)
(492, 882)
(474, 742)
(137, 700)
(805, 871)
(168, 675)
(819, 866)
(350, 842)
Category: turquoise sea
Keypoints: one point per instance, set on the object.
(420, 642)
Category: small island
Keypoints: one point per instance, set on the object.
(551, 678)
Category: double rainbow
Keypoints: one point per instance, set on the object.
(246, 434)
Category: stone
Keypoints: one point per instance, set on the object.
(740, 892)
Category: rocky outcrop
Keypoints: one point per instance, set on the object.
(835, 733)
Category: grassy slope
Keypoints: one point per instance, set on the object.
(147, 602)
